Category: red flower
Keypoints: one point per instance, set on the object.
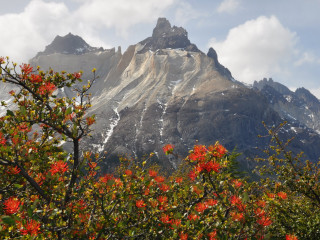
(220, 150)
(212, 235)
(48, 88)
(291, 237)
(211, 166)
(237, 216)
(11, 205)
(237, 183)
(35, 78)
(13, 170)
(152, 173)
(165, 218)
(90, 120)
(183, 236)
(176, 222)
(211, 202)
(259, 212)
(282, 195)
(32, 227)
(106, 178)
(199, 153)
(2, 139)
(162, 199)
(58, 167)
(264, 221)
(271, 195)
(235, 200)
(164, 187)
(192, 175)
(77, 75)
(193, 217)
(159, 179)
(23, 127)
(128, 172)
(140, 203)
(179, 180)
(201, 207)
(168, 149)
(26, 69)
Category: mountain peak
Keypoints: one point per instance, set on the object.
(165, 36)
(68, 44)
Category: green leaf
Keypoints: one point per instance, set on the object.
(68, 111)
(8, 220)
(23, 110)
(10, 113)
(17, 185)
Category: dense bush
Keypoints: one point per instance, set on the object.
(48, 193)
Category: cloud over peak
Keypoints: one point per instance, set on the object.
(256, 49)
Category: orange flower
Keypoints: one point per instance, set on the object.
(198, 154)
(212, 235)
(179, 180)
(271, 195)
(13, 170)
(47, 88)
(35, 78)
(237, 216)
(58, 167)
(165, 218)
(164, 187)
(11, 205)
(90, 120)
(201, 207)
(159, 179)
(128, 172)
(234, 200)
(162, 199)
(183, 236)
(237, 183)
(291, 237)
(192, 175)
(282, 195)
(264, 221)
(152, 173)
(26, 69)
(193, 217)
(140, 203)
(168, 149)
(176, 222)
(220, 150)
(211, 202)
(2, 139)
(32, 228)
(211, 166)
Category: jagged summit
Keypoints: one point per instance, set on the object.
(223, 70)
(68, 44)
(165, 36)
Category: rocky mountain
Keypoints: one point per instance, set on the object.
(300, 106)
(69, 44)
(165, 90)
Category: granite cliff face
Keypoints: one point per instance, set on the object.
(165, 90)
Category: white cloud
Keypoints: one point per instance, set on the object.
(228, 6)
(120, 14)
(307, 58)
(26, 33)
(315, 92)
(185, 12)
(256, 49)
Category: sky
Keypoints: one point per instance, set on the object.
(276, 39)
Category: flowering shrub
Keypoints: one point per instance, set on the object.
(48, 193)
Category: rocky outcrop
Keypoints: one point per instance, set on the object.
(300, 106)
(69, 44)
(164, 36)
